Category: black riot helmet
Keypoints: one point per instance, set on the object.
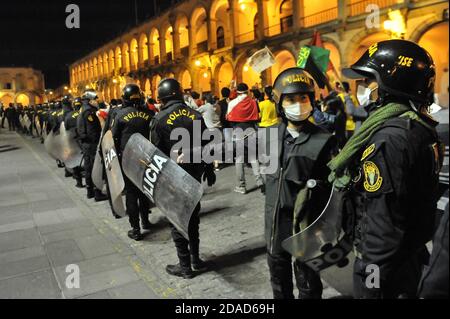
(168, 90)
(132, 95)
(401, 68)
(89, 95)
(66, 100)
(292, 81)
(77, 102)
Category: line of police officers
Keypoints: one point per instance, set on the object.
(388, 171)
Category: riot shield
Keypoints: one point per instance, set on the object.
(44, 131)
(52, 145)
(22, 121)
(26, 121)
(97, 171)
(114, 173)
(38, 126)
(71, 154)
(167, 185)
(323, 243)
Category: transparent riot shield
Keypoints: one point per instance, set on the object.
(38, 126)
(97, 171)
(71, 154)
(51, 145)
(44, 131)
(166, 184)
(26, 121)
(114, 173)
(323, 243)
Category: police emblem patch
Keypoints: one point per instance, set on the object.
(90, 118)
(368, 151)
(373, 179)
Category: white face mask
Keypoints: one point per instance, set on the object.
(364, 95)
(298, 112)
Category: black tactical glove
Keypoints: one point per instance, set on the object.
(209, 175)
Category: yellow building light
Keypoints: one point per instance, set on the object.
(70, 91)
(66, 88)
(114, 81)
(51, 93)
(87, 87)
(395, 24)
(205, 75)
(246, 68)
(198, 63)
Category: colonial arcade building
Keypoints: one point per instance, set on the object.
(205, 44)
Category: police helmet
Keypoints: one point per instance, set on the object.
(401, 68)
(169, 89)
(77, 101)
(132, 95)
(292, 81)
(89, 95)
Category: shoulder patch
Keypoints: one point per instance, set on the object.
(90, 118)
(367, 152)
(373, 179)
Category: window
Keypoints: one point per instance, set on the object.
(286, 16)
(220, 37)
(8, 86)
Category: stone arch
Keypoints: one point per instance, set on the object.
(22, 98)
(6, 99)
(126, 65)
(155, 50)
(199, 28)
(357, 44)
(219, 20)
(143, 47)
(244, 73)
(105, 64)
(182, 29)
(284, 59)
(134, 54)
(223, 74)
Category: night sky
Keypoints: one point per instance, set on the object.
(33, 32)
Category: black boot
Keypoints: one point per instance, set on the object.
(177, 270)
(198, 264)
(68, 174)
(99, 196)
(146, 225)
(135, 234)
(79, 183)
(90, 193)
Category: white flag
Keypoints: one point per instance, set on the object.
(261, 60)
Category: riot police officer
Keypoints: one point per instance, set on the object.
(70, 122)
(89, 130)
(305, 149)
(390, 170)
(134, 117)
(171, 96)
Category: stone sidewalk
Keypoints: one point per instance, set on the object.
(46, 224)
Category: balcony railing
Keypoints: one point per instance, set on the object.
(245, 37)
(320, 17)
(169, 56)
(202, 47)
(358, 8)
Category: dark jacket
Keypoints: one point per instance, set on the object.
(88, 126)
(128, 121)
(300, 160)
(176, 114)
(394, 196)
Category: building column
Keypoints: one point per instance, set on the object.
(191, 39)
(208, 32)
(162, 47)
(175, 37)
(261, 20)
(342, 10)
(231, 10)
(298, 12)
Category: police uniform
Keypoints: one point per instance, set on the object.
(301, 158)
(70, 122)
(176, 114)
(394, 172)
(128, 121)
(89, 130)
